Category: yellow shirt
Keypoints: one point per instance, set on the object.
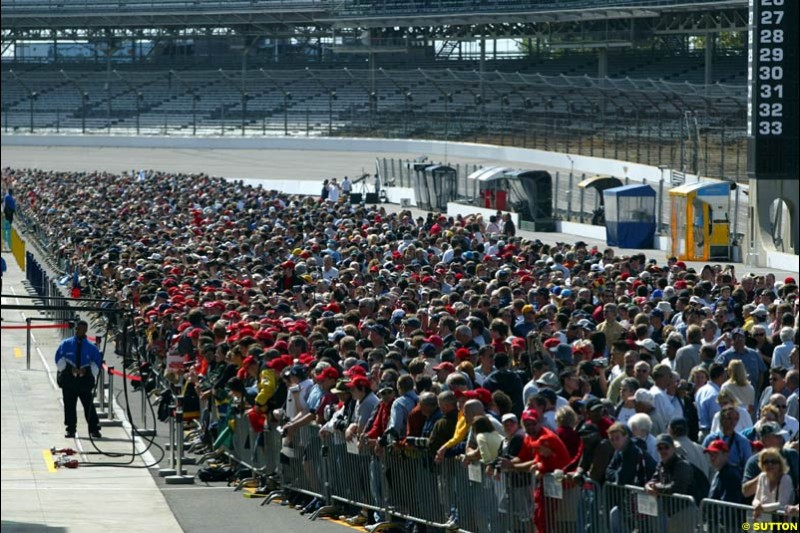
(461, 431)
(266, 386)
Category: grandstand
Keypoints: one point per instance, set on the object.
(658, 82)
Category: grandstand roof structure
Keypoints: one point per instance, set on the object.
(259, 17)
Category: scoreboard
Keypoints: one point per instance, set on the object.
(772, 120)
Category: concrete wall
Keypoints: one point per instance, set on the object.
(433, 149)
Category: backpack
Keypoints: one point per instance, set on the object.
(700, 485)
(165, 405)
(216, 473)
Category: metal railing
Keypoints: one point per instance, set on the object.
(400, 7)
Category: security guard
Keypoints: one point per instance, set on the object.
(78, 362)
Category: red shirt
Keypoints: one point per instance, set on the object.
(571, 440)
(558, 458)
(416, 421)
(603, 424)
(381, 421)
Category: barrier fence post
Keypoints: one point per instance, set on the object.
(28, 344)
(101, 386)
(143, 431)
(163, 472)
(583, 191)
(569, 198)
(180, 477)
(109, 405)
(555, 196)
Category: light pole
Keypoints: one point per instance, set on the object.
(331, 97)
(32, 96)
(84, 99)
(138, 95)
(447, 97)
(245, 96)
(287, 96)
(195, 99)
(372, 96)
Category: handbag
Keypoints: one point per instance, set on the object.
(60, 379)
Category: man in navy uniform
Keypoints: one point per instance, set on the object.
(78, 362)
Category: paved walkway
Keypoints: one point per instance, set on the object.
(35, 495)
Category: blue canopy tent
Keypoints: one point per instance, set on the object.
(630, 216)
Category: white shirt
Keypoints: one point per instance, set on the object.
(780, 355)
(744, 421)
(550, 420)
(333, 193)
(293, 407)
(663, 403)
(331, 273)
(791, 424)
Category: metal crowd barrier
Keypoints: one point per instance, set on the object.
(571, 505)
(303, 465)
(718, 517)
(351, 469)
(630, 509)
(46, 287)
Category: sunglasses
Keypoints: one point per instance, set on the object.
(771, 462)
(663, 447)
(780, 406)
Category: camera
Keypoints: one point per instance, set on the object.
(418, 442)
(388, 439)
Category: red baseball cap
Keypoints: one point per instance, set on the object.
(328, 373)
(436, 340)
(530, 415)
(716, 446)
(462, 353)
(359, 381)
(484, 395)
(552, 344)
(356, 370)
(446, 365)
(277, 364)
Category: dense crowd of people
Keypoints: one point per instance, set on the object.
(445, 333)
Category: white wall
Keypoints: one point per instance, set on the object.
(433, 149)
(782, 261)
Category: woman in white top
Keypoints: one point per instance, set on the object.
(724, 399)
(740, 386)
(774, 488)
(488, 439)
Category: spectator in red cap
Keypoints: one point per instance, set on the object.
(443, 370)
(726, 483)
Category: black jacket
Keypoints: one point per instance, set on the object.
(674, 477)
(631, 466)
(508, 382)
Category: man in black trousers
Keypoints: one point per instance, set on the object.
(78, 362)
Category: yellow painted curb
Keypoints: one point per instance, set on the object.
(48, 460)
